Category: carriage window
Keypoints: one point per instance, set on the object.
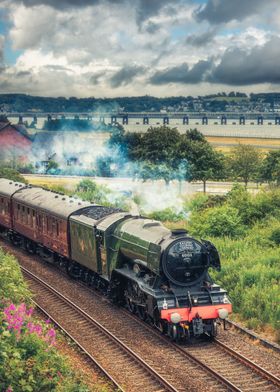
(53, 226)
(57, 228)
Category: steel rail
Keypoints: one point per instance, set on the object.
(102, 329)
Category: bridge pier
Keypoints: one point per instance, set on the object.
(185, 120)
(165, 120)
(204, 120)
(76, 117)
(102, 120)
(277, 120)
(260, 120)
(145, 120)
(49, 117)
(242, 120)
(35, 119)
(125, 120)
(113, 119)
(223, 120)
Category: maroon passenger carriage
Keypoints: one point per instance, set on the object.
(36, 216)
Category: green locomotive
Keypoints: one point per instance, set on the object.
(159, 274)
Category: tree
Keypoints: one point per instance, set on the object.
(158, 145)
(52, 167)
(270, 168)
(204, 162)
(244, 162)
(195, 135)
(11, 174)
(150, 171)
(157, 154)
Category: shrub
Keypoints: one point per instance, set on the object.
(168, 214)
(275, 236)
(90, 191)
(250, 273)
(11, 174)
(217, 222)
(12, 285)
(197, 202)
(29, 362)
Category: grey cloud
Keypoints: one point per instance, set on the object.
(55, 67)
(223, 11)
(182, 74)
(125, 75)
(62, 4)
(94, 78)
(152, 27)
(203, 39)
(22, 74)
(144, 8)
(260, 65)
(147, 8)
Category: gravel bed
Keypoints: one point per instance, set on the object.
(91, 375)
(172, 365)
(251, 349)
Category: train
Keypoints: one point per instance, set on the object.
(159, 274)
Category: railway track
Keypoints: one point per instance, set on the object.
(250, 334)
(125, 369)
(219, 370)
(230, 367)
(58, 303)
(239, 370)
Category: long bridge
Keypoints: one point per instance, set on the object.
(223, 124)
(145, 118)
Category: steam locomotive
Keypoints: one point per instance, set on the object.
(159, 274)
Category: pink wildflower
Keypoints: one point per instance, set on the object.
(29, 312)
(50, 336)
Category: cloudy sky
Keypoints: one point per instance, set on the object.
(135, 47)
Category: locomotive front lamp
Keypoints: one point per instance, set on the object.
(175, 318)
(223, 313)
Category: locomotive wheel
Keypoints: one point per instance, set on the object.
(214, 329)
(174, 332)
(130, 305)
(141, 312)
(162, 327)
(30, 247)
